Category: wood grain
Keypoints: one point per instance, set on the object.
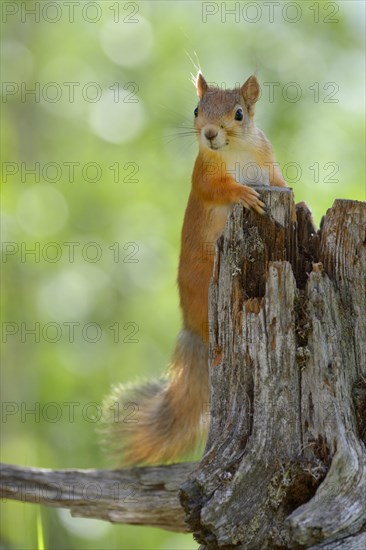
(285, 460)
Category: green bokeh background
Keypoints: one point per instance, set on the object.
(148, 44)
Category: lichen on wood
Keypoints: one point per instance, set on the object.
(285, 461)
(288, 361)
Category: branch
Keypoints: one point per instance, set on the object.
(139, 496)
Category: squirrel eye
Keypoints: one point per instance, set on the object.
(239, 115)
(196, 112)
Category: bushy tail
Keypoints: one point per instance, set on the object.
(158, 421)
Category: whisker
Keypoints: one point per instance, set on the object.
(174, 138)
(168, 108)
(188, 146)
(177, 116)
(191, 128)
(168, 138)
(183, 131)
(180, 134)
(238, 136)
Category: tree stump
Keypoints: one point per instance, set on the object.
(285, 460)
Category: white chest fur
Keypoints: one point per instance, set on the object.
(243, 168)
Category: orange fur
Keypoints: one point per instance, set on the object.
(170, 412)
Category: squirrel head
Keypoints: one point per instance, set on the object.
(224, 118)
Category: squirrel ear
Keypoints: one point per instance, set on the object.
(250, 91)
(201, 85)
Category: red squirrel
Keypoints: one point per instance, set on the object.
(232, 152)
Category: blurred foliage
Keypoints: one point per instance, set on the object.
(127, 279)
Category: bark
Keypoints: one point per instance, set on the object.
(138, 496)
(285, 460)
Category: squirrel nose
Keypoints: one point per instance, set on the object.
(211, 133)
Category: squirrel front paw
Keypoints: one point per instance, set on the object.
(249, 197)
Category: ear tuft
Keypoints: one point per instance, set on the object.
(201, 85)
(251, 90)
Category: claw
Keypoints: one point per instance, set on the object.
(252, 201)
(260, 210)
(259, 207)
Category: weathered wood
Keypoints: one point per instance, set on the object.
(138, 496)
(357, 542)
(285, 465)
(285, 460)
